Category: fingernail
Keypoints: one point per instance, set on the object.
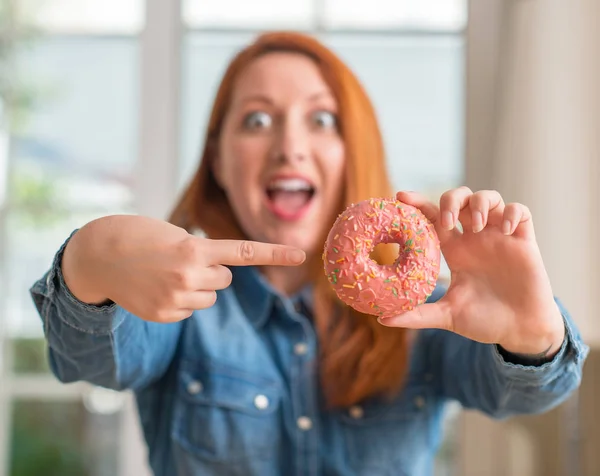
(296, 256)
(506, 227)
(477, 222)
(448, 220)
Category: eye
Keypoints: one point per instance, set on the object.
(257, 120)
(324, 120)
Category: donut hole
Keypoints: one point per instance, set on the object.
(384, 253)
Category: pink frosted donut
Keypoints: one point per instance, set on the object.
(364, 284)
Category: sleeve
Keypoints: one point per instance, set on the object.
(104, 345)
(479, 377)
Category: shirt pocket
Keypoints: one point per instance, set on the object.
(391, 437)
(224, 414)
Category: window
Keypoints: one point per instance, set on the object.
(72, 154)
(68, 158)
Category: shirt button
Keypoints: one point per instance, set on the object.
(194, 387)
(419, 402)
(304, 423)
(261, 402)
(356, 412)
(300, 348)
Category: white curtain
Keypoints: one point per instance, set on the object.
(533, 129)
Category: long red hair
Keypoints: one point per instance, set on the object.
(359, 358)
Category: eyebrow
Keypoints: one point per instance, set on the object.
(267, 100)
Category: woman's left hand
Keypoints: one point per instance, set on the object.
(499, 292)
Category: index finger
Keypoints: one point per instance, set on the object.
(430, 210)
(253, 253)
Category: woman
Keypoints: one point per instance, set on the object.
(242, 360)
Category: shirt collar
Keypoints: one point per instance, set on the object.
(257, 297)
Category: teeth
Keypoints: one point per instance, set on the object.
(290, 185)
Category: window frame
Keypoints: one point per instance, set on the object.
(159, 126)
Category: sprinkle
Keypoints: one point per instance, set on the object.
(351, 286)
(336, 236)
(335, 250)
(394, 290)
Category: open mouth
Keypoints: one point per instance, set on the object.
(289, 198)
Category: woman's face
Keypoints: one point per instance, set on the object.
(280, 156)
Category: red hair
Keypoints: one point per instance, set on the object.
(359, 358)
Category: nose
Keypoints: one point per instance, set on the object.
(291, 143)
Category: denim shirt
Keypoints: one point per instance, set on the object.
(234, 389)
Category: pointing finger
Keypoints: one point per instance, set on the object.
(252, 253)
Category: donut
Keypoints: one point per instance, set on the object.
(364, 284)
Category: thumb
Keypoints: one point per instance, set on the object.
(426, 316)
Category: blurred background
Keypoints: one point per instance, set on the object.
(103, 105)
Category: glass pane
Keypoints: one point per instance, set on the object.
(416, 84)
(260, 14)
(72, 156)
(30, 356)
(62, 439)
(374, 14)
(86, 16)
(80, 125)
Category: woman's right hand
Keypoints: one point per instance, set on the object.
(155, 270)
